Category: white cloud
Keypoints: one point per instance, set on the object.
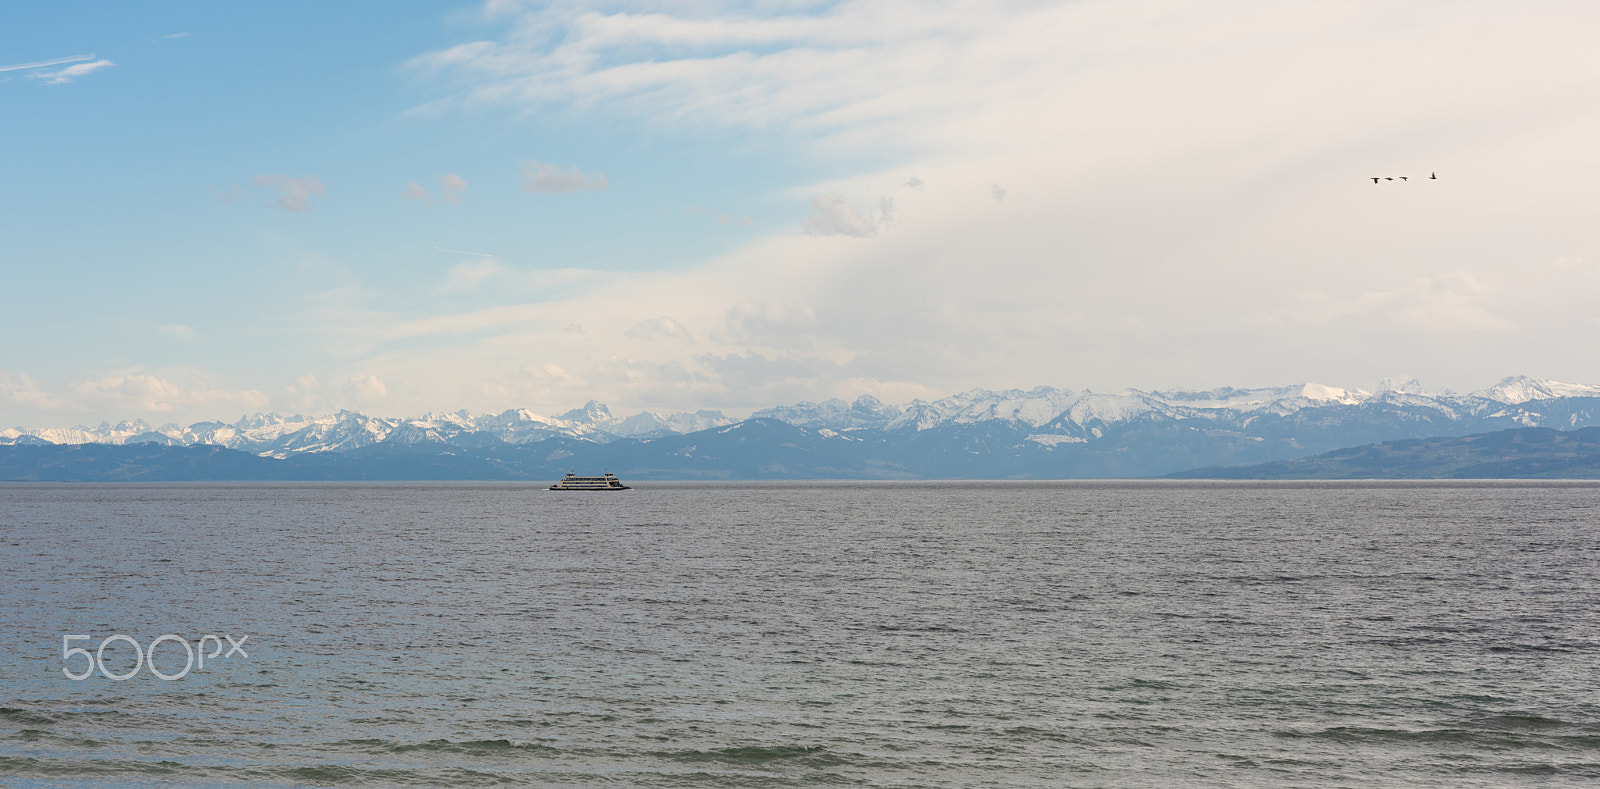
(145, 394)
(305, 394)
(294, 194)
(468, 274)
(451, 187)
(1452, 302)
(177, 330)
(832, 215)
(23, 394)
(550, 179)
(368, 387)
(768, 324)
(663, 327)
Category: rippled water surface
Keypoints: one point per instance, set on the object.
(807, 634)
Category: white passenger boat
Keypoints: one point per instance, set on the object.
(574, 482)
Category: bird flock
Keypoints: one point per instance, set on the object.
(1434, 176)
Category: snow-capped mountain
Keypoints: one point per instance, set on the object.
(277, 435)
(1251, 423)
(867, 411)
(1520, 389)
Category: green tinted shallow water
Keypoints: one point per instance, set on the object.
(806, 634)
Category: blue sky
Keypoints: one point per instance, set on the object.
(212, 209)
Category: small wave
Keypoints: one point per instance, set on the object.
(344, 775)
(1520, 722)
(25, 717)
(1035, 734)
(104, 769)
(756, 755)
(1535, 769)
(39, 735)
(1478, 739)
(927, 629)
(468, 747)
(1527, 648)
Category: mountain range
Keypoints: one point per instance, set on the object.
(1043, 432)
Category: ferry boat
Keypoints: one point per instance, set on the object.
(574, 482)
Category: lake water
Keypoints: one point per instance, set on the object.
(805, 634)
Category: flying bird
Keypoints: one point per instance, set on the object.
(1387, 178)
(1403, 178)
(1434, 176)
(1375, 179)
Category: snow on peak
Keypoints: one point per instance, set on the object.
(866, 411)
(1520, 389)
(591, 413)
(1401, 386)
(1323, 393)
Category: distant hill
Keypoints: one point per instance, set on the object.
(133, 463)
(1527, 453)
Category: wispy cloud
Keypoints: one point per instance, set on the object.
(47, 63)
(551, 179)
(468, 274)
(71, 73)
(862, 71)
(294, 194)
(721, 217)
(462, 252)
(235, 192)
(65, 75)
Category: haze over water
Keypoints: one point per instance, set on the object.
(803, 634)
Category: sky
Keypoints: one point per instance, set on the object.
(209, 210)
